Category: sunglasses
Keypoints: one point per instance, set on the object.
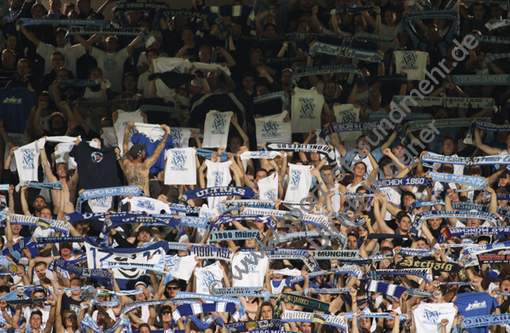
(71, 317)
(172, 288)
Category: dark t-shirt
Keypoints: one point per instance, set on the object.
(70, 304)
(97, 167)
(15, 104)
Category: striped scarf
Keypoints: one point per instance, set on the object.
(193, 309)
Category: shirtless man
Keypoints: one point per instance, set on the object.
(68, 184)
(137, 168)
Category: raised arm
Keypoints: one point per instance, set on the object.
(133, 44)
(228, 57)
(125, 142)
(30, 36)
(154, 157)
(486, 149)
(47, 167)
(380, 211)
(85, 43)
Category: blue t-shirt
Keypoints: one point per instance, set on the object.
(151, 147)
(15, 104)
(476, 304)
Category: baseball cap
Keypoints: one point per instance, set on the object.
(137, 149)
(287, 70)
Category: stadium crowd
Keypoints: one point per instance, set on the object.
(145, 172)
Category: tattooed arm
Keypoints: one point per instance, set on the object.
(125, 143)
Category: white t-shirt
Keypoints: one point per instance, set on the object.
(256, 272)
(273, 129)
(206, 275)
(218, 174)
(112, 65)
(145, 204)
(411, 62)
(216, 129)
(306, 110)
(428, 316)
(71, 54)
(27, 161)
(120, 126)
(268, 187)
(180, 167)
(347, 113)
(144, 84)
(300, 179)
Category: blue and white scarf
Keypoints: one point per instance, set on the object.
(107, 192)
(272, 96)
(482, 208)
(211, 298)
(184, 208)
(94, 216)
(347, 269)
(211, 252)
(458, 214)
(188, 221)
(237, 204)
(81, 83)
(189, 309)
(302, 148)
(423, 273)
(492, 39)
(386, 289)
(218, 191)
(481, 160)
(326, 69)
(44, 186)
(73, 31)
(480, 80)
(15, 250)
(40, 21)
(497, 24)
(486, 321)
(418, 204)
(494, 56)
(356, 126)
(490, 127)
(345, 52)
(408, 181)
(325, 234)
(223, 219)
(335, 254)
(101, 274)
(39, 221)
(241, 291)
(220, 236)
(487, 248)
(475, 182)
